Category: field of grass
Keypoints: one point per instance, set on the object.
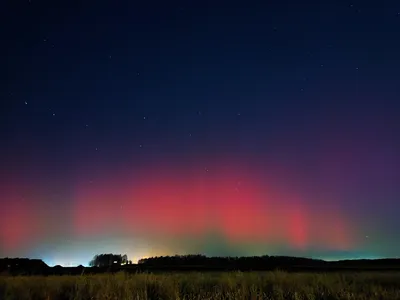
(266, 285)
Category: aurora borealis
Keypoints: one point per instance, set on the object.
(200, 128)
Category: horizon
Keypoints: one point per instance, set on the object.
(150, 257)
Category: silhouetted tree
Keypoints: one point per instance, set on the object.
(124, 259)
(107, 260)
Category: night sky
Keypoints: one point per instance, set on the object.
(221, 128)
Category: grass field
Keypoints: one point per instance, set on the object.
(266, 285)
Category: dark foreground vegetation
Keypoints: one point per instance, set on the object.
(275, 285)
(200, 277)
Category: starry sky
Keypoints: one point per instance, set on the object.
(221, 128)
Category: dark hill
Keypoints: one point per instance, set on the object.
(23, 266)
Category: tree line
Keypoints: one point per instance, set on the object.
(248, 262)
(108, 260)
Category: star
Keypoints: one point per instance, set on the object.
(26, 103)
(54, 114)
(96, 149)
(144, 118)
(140, 145)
